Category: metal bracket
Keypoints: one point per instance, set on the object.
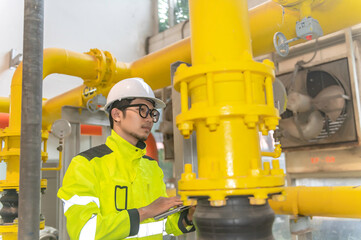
(15, 58)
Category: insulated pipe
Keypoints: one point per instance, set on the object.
(341, 202)
(31, 135)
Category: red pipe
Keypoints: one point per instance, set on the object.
(4, 120)
(92, 130)
(151, 148)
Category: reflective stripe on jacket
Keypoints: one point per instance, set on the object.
(104, 186)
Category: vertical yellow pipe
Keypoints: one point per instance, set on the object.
(230, 95)
(224, 40)
(225, 37)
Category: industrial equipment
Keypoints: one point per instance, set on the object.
(319, 107)
(308, 28)
(227, 99)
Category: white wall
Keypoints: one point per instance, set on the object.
(117, 26)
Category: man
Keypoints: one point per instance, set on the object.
(113, 191)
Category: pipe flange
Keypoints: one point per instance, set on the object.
(106, 69)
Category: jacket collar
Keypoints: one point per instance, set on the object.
(119, 144)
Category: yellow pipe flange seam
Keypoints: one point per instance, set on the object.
(106, 71)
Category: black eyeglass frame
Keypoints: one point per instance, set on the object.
(155, 116)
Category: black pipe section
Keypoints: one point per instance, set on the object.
(238, 220)
(9, 211)
(31, 110)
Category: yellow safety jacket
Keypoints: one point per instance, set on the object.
(105, 185)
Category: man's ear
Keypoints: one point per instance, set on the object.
(116, 114)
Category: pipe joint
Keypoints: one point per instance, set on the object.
(106, 69)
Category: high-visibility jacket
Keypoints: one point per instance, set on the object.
(105, 185)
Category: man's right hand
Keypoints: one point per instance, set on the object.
(157, 207)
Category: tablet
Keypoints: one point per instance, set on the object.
(170, 212)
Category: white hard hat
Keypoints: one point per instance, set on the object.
(131, 88)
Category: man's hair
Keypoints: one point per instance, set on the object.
(119, 104)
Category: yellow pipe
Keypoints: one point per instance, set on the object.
(97, 68)
(230, 95)
(320, 201)
(58, 168)
(155, 67)
(269, 18)
(55, 61)
(85, 66)
(4, 104)
(275, 154)
(265, 21)
(52, 107)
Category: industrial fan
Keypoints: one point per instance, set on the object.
(316, 108)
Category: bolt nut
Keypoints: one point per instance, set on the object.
(278, 198)
(251, 120)
(185, 128)
(212, 123)
(266, 168)
(271, 123)
(257, 201)
(268, 63)
(218, 203)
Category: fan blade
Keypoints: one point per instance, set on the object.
(314, 126)
(298, 102)
(330, 101)
(309, 130)
(279, 95)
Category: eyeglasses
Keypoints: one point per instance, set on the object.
(144, 111)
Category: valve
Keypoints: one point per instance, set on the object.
(308, 29)
(96, 103)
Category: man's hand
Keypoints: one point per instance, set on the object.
(157, 207)
(191, 212)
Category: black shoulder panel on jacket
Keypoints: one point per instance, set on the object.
(149, 158)
(98, 151)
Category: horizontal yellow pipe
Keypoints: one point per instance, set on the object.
(54, 61)
(58, 168)
(265, 20)
(4, 104)
(268, 18)
(76, 64)
(52, 107)
(341, 202)
(154, 68)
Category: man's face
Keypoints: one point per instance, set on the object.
(131, 126)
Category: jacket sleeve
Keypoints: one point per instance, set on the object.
(80, 196)
(174, 224)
